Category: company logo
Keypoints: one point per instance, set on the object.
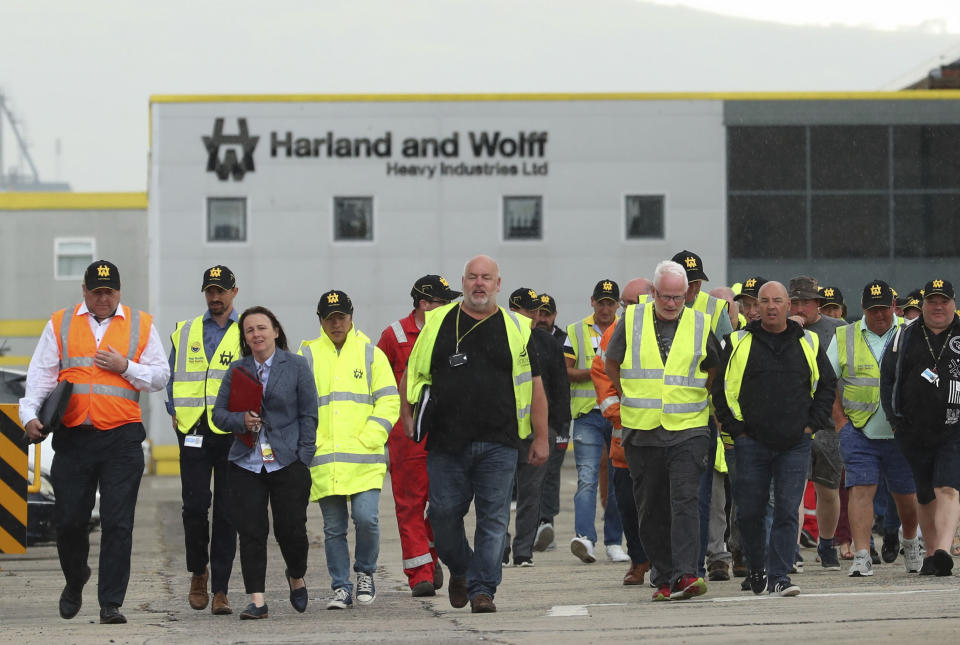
(195, 347)
(215, 272)
(230, 164)
(875, 290)
(938, 284)
(333, 298)
(750, 284)
(358, 374)
(226, 357)
(103, 271)
(690, 262)
(828, 292)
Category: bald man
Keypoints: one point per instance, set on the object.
(485, 398)
(777, 385)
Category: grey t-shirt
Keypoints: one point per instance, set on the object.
(826, 329)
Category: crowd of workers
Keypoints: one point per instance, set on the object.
(670, 396)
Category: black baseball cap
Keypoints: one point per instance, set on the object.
(547, 303)
(914, 300)
(218, 276)
(831, 296)
(606, 289)
(334, 302)
(936, 287)
(434, 287)
(751, 287)
(102, 274)
(692, 263)
(877, 293)
(524, 298)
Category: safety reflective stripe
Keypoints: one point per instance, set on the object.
(308, 355)
(638, 317)
(857, 405)
(398, 331)
(134, 334)
(327, 399)
(182, 354)
(419, 561)
(390, 390)
(582, 354)
(851, 365)
(617, 433)
(632, 402)
(68, 314)
(523, 412)
(183, 377)
(348, 458)
(523, 377)
(187, 402)
(114, 390)
(672, 379)
(607, 402)
(697, 354)
(368, 353)
(638, 372)
(682, 408)
(84, 361)
(385, 423)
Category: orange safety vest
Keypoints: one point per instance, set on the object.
(105, 397)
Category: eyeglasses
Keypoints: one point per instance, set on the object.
(676, 299)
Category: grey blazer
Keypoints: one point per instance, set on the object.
(289, 409)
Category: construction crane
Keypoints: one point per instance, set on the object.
(15, 178)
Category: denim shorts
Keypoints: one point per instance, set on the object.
(932, 466)
(826, 465)
(867, 460)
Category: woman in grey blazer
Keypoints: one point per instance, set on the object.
(275, 469)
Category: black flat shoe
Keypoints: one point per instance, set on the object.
(252, 612)
(110, 615)
(72, 599)
(943, 562)
(298, 597)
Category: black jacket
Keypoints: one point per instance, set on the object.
(553, 372)
(915, 408)
(775, 394)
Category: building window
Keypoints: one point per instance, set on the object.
(523, 218)
(352, 218)
(72, 256)
(226, 219)
(644, 217)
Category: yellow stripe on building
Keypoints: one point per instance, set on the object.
(54, 201)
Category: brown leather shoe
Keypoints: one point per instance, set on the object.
(220, 606)
(636, 573)
(198, 590)
(482, 604)
(457, 590)
(718, 571)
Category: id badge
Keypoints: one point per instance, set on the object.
(193, 441)
(267, 453)
(457, 360)
(930, 376)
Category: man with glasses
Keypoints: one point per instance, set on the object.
(408, 459)
(661, 359)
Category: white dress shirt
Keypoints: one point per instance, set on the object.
(150, 374)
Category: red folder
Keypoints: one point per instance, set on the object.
(246, 395)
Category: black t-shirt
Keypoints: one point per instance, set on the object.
(474, 401)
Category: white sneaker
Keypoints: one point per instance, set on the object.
(862, 565)
(912, 560)
(583, 549)
(544, 537)
(615, 553)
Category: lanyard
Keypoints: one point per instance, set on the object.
(936, 359)
(457, 327)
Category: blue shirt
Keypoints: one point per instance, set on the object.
(212, 335)
(254, 460)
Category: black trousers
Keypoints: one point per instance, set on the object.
(288, 493)
(113, 461)
(529, 483)
(219, 547)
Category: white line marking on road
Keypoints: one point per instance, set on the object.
(580, 610)
(841, 594)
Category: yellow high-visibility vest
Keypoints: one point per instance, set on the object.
(196, 382)
(859, 377)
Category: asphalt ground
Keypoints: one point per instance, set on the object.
(560, 600)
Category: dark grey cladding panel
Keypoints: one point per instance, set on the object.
(841, 112)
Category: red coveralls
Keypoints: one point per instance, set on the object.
(408, 466)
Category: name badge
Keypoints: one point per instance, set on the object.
(193, 441)
(931, 376)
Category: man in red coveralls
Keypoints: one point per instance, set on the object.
(408, 459)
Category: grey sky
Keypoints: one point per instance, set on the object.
(83, 72)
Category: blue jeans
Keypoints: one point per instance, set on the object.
(591, 443)
(757, 465)
(483, 473)
(363, 508)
